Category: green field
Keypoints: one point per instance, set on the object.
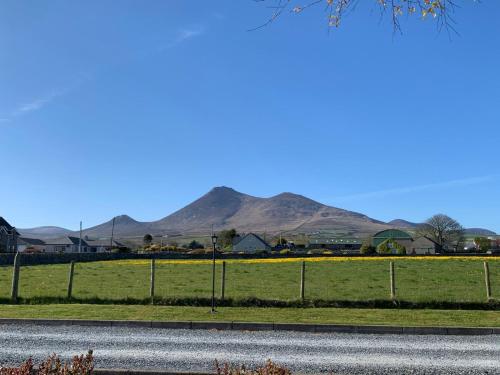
(417, 280)
(416, 318)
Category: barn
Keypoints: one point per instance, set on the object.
(251, 243)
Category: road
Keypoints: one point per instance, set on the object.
(196, 350)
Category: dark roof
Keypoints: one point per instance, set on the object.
(104, 243)
(4, 223)
(254, 235)
(69, 240)
(427, 238)
(30, 241)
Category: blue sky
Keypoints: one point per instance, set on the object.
(138, 108)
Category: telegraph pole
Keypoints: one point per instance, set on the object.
(80, 242)
(112, 233)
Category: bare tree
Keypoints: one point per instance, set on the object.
(335, 10)
(445, 231)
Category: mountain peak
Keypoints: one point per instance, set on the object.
(120, 219)
(289, 195)
(400, 223)
(223, 189)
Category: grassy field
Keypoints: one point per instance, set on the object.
(415, 318)
(355, 279)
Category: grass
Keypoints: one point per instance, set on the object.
(414, 318)
(456, 280)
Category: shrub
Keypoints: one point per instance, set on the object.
(269, 368)
(367, 249)
(195, 245)
(314, 252)
(389, 245)
(79, 365)
(482, 244)
(120, 250)
(261, 252)
(197, 252)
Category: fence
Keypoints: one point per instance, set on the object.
(369, 279)
(59, 258)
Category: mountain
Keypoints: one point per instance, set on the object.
(225, 208)
(124, 226)
(479, 232)
(402, 224)
(44, 232)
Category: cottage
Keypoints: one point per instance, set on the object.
(423, 246)
(30, 245)
(420, 245)
(251, 243)
(8, 237)
(67, 244)
(103, 246)
(402, 238)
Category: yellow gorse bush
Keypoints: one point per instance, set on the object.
(143, 262)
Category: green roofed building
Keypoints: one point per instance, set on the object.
(420, 245)
(397, 235)
(394, 234)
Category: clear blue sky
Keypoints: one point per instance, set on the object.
(138, 108)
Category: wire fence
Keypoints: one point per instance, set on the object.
(414, 280)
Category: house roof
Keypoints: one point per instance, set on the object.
(393, 233)
(4, 223)
(252, 235)
(30, 241)
(334, 241)
(68, 240)
(104, 243)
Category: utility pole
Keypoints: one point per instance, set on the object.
(80, 242)
(14, 239)
(214, 243)
(112, 233)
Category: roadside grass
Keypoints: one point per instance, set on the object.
(455, 280)
(410, 318)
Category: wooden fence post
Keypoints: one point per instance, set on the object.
(152, 289)
(70, 278)
(393, 281)
(487, 281)
(15, 278)
(303, 281)
(223, 281)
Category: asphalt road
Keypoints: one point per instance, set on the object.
(196, 350)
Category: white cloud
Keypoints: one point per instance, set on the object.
(418, 188)
(183, 35)
(38, 103)
(45, 99)
(188, 34)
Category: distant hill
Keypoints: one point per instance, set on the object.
(44, 232)
(402, 224)
(125, 226)
(226, 208)
(479, 232)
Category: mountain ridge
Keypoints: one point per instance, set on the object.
(223, 207)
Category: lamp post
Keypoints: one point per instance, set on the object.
(161, 240)
(214, 242)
